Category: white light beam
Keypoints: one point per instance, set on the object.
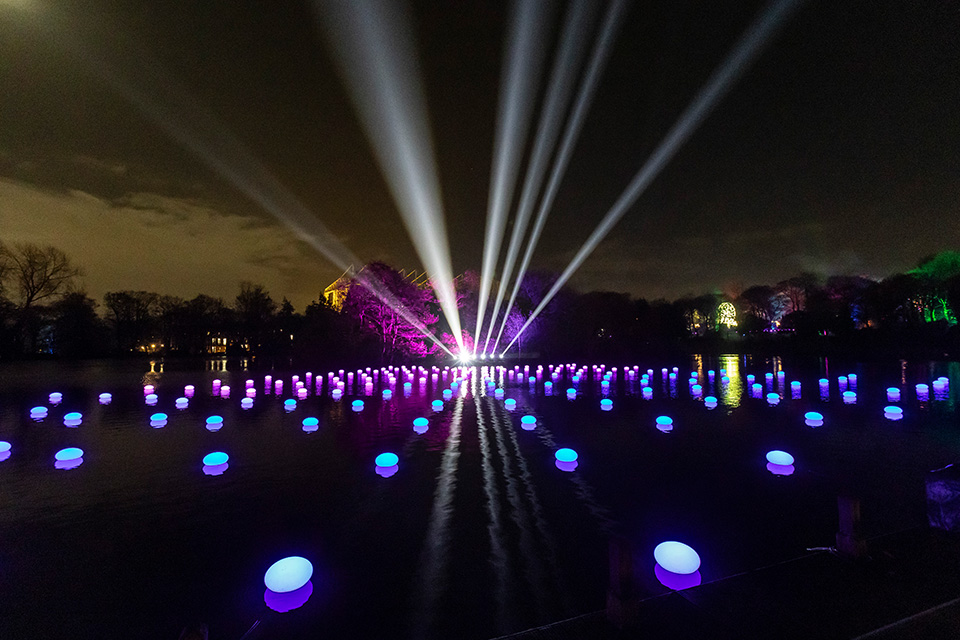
(723, 78)
(372, 42)
(573, 41)
(520, 77)
(588, 87)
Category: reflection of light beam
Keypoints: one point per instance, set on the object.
(747, 49)
(588, 86)
(499, 560)
(164, 102)
(520, 75)
(436, 546)
(373, 44)
(573, 40)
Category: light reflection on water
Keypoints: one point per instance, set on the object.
(487, 489)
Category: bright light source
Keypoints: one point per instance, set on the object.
(288, 574)
(676, 557)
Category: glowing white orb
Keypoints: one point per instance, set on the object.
(215, 459)
(105, 398)
(386, 460)
(70, 453)
(288, 574)
(779, 457)
(676, 557)
(566, 455)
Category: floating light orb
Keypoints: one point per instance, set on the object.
(290, 403)
(647, 393)
(74, 418)
(779, 457)
(246, 403)
(357, 405)
(566, 455)
(571, 393)
(148, 389)
(606, 404)
(181, 403)
(38, 412)
(676, 581)
(158, 417)
(676, 557)
(696, 390)
(288, 574)
(813, 415)
(151, 399)
(215, 458)
(105, 398)
(447, 394)
(336, 394)
(498, 393)
(664, 420)
(189, 390)
(893, 413)
(751, 378)
(68, 454)
(55, 397)
(849, 397)
(386, 460)
(310, 422)
(710, 402)
(724, 380)
(387, 394)
(214, 423)
(773, 398)
(528, 423)
(302, 393)
(437, 405)
(5, 446)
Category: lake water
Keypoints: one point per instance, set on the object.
(477, 532)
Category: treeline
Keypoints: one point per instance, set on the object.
(380, 314)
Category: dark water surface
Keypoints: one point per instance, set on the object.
(477, 534)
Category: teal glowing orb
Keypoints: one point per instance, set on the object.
(387, 394)
(779, 457)
(73, 416)
(606, 404)
(813, 416)
(38, 411)
(664, 420)
(5, 446)
(215, 420)
(158, 417)
(311, 422)
(566, 455)
(288, 574)
(70, 453)
(215, 458)
(528, 419)
(420, 422)
(676, 557)
(386, 460)
(437, 405)
(893, 410)
(290, 402)
(357, 405)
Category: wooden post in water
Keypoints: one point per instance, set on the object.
(622, 600)
(850, 540)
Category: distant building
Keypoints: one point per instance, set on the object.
(336, 292)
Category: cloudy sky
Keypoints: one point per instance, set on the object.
(158, 142)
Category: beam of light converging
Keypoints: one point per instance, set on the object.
(520, 78)
(588, 86)
(163, 101)
(372, 43)
(573, 41)
(744, 53)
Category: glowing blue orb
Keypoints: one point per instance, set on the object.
(150, 397)
(795, 384)
(510, 402)
(676, 557)
(849, 394)
(215, 420)
(158, 417)
(528, 419)
(246, 403)
(5, 446)
(105, 398)
(437, 405)
(813, 416)
(357, 405)
(38, 412)
(216, 458)
(664, 420)
(709, 400)
(606, 404)
(566, 455)
(182, 403)
(73, 416)
(724, 380)
(773, 398)
(387, 394)
(290, 402)
(70, 453)
(310, 422)
(420, 422)
(288, 574)
(779, 457)
(386, 460)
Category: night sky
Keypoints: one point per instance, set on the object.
(837, 152)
